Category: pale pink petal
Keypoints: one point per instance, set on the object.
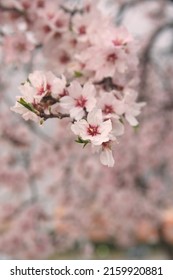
(75, 89)
(106, 127)
(91, 102)
(118, 128)
(130, 95)
(95, 117)
(79, 127)
(18, 108)
(89, 90)
(27, 91)
(106, 157)
(77, 113)
(31, 116)
(67, 102)
(132, 120)
(98, 140)
(37, 79)
(119, 107)
(58, 86)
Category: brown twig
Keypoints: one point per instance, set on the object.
(53, 116)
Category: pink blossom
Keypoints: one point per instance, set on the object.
(17, 48)
(107, 102)
(50, 22)
(85, 26)
(38, 85)
(79, 99)
(47, 83)
(94, 128)
(119, 37)
(26, 114)
(58, 88)
(117, 128)
(104, 61)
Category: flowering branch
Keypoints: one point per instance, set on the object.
(93, 86)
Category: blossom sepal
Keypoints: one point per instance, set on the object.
(27, 105)
(81, 141)
(78, 74)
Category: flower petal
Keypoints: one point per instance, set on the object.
(106, 157)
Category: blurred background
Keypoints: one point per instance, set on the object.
(58, 202)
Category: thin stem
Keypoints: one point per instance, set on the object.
(52, 116)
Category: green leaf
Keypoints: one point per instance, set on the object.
(81, 141)
(28, 106)
(78, 74)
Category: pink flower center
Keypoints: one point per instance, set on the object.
(88, 8)
(40, 91)
(59, 23)
(64, 58)
(108, 109)
(48, 87)
(73, 42)
(21, 46)
(93, 130)
(111, 57)
(81, 102)
(106, 145)
(82, 30)
(40, 4)
(46, 29)
(26, 5)
(50, 15)
(117, 42)
(64, 93)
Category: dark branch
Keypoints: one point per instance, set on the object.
(53, 116)
(146, 56)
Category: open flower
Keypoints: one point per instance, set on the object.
(109, 105)
(58, 88)
(17, 48)
(104, 60)
(42, 83)
(79, 99)
(28, 94)
(94, 129)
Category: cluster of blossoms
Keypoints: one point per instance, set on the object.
(97, 116)
(94, 85)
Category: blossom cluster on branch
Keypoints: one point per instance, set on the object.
(96, 72)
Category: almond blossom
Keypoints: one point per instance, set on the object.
(104, 61)
(79, 99)
(92, 72)
(17, 48)
(94, 129)
(27, 115)
(39, 85)
(111, 107)
(110, 53)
